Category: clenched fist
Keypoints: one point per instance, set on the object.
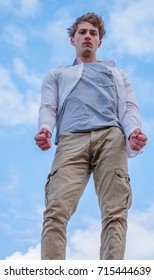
(43, 140)
(137, 140)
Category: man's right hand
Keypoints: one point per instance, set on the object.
(42, 139)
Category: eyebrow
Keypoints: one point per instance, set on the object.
(85, 29)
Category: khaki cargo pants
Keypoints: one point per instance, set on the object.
(103, 154)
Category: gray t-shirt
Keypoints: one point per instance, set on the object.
(92, 104)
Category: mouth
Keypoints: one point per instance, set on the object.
(87, 44)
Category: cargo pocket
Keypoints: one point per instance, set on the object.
(122, 192)
(47, 189)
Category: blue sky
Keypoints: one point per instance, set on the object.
(33, 39)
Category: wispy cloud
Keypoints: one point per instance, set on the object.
(14, 36)
(148, 126)
(12, 183)
(131, 27)
(55, 33)
(28, 8)
(25, 74)
(20, 224)
(21, 8)
(22, 107)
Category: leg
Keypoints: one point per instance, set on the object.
(66, 182)
(114, 192)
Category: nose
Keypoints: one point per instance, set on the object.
(88, 36)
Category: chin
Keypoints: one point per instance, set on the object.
(87, 52)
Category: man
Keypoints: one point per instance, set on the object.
(93, 107)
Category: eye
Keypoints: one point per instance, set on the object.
(93, 33)
(82, 32)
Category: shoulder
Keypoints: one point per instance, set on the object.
(58, 70)
(110, 64)
(117, 71)
(54, 73)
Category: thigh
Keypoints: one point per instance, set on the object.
(69, 173)
(111, 173)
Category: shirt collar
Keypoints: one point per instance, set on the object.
(109, 63)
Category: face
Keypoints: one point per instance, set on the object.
(86, 41)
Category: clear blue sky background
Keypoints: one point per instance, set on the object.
(33, 39)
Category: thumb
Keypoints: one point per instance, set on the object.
(136, 132)
(47, 133)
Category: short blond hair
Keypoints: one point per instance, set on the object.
(92, 18)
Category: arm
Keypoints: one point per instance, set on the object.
(49, 102)
(133, 131)
(47, 112)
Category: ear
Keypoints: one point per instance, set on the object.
(72, 41)
(99, 44)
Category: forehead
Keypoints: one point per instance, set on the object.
(87, 25)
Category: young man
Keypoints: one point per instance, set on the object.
(93, 107)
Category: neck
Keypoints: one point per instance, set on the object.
(86, 59)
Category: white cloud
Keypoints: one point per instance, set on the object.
(28, 7)
(56, 34)
(14, 177)
(23, 225)
(140, 243)
(6, 4)
(131, 27)
(19, 107)
(14, 36)
(84, 243)
(21, 8)
(148, 128)
(25, 74)
(31, 254)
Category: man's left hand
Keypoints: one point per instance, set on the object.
(137, 140)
